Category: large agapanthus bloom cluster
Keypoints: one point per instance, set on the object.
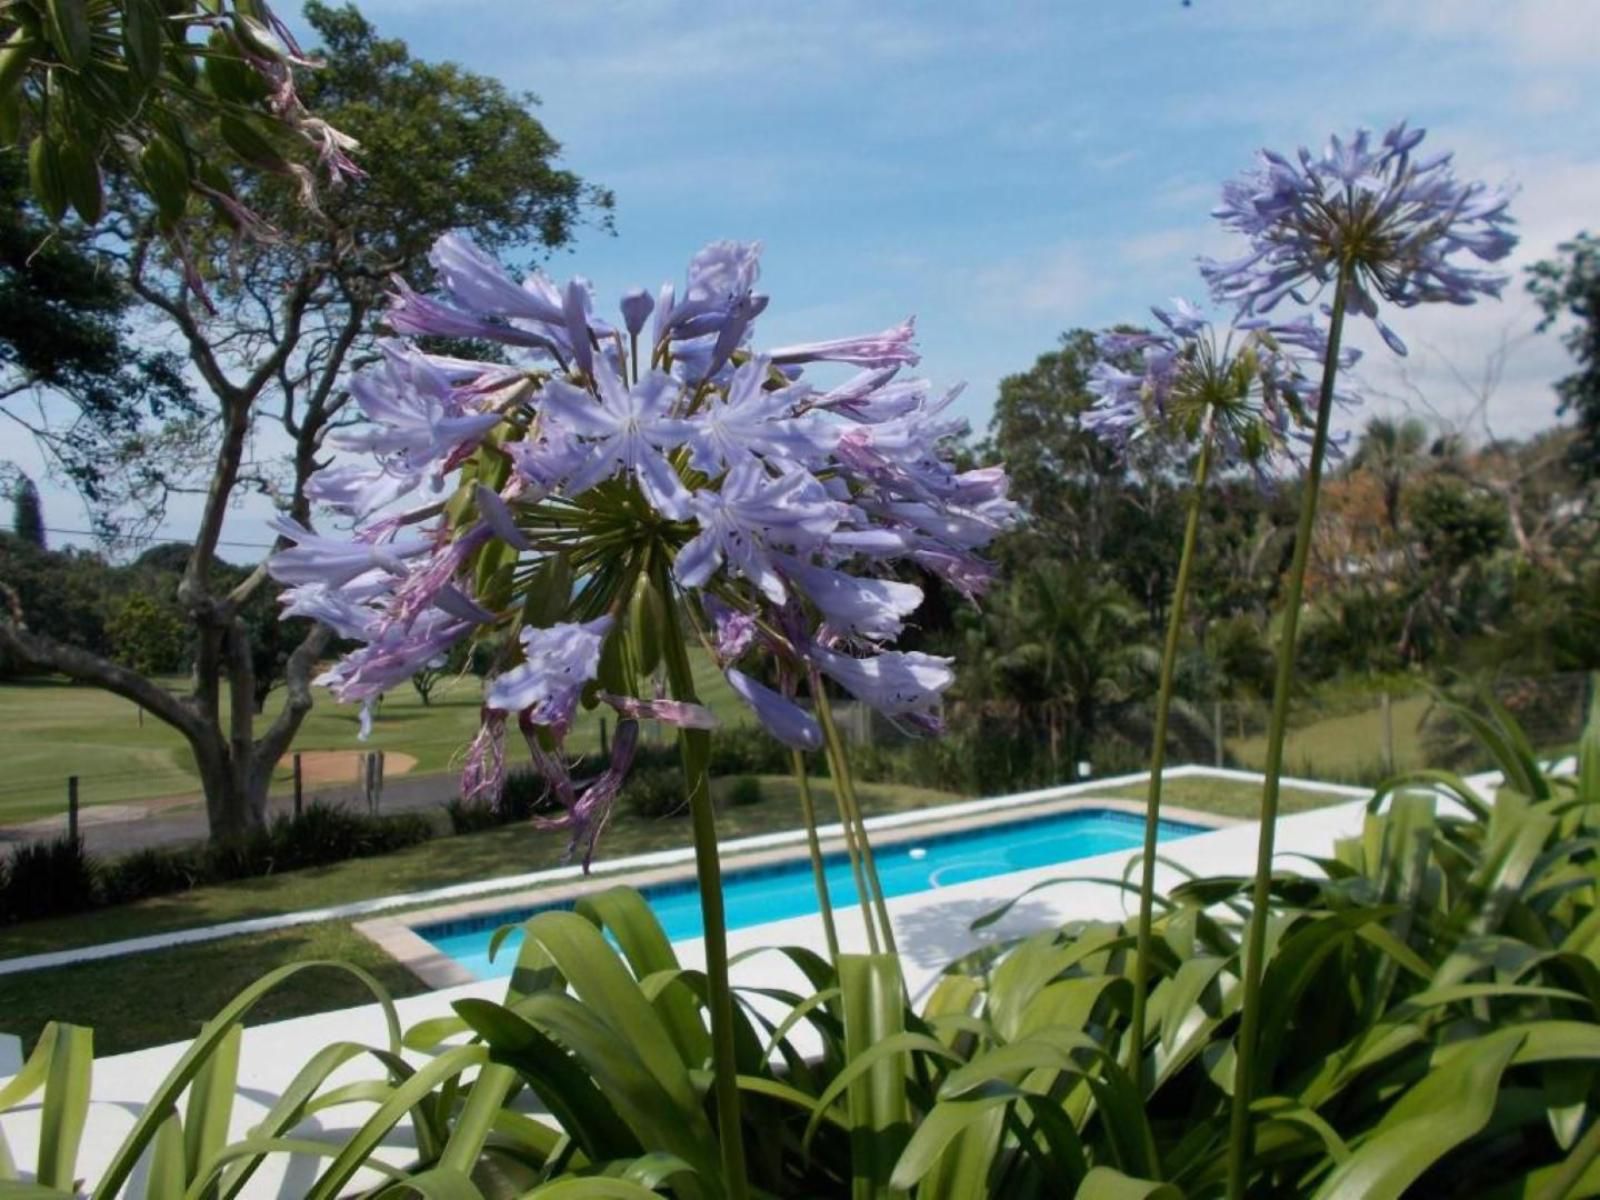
(1247, 390)
(1396, 222)
(617, 469)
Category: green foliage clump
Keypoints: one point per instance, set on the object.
(744, 791)
(655, 793)
(148, 637)
(55, 878)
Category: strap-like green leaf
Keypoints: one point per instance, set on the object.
(358, 1150)
(878, 1051)
(165, 1097)
(1444, 1109)
(1105, 1183)
(66, 1105)
(210, 1107)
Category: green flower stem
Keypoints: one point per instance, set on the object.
(696, 747)
(818, 873)
(1158, 762)
(850, 809)
(1239, 1138)
(852, 844)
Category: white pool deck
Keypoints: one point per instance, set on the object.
(931, 929)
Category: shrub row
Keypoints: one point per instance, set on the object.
(43, 879)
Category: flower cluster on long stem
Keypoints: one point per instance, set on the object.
(619, 491)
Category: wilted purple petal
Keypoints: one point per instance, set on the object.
(560, 660)
(677, 713)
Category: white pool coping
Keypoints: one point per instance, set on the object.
(661, 858)
(931, 927)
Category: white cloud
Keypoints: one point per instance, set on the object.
(1053, 281)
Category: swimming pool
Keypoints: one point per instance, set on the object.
(756, 895)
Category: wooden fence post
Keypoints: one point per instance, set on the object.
(72, 807)
(298, 787)
(1216, 727)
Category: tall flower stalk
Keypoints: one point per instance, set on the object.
(1240, 398)
(613, 488)
(1370, 221)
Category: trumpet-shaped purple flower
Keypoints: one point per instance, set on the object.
(559, 661)
(477, 283)
(1396, 222)
(315, 559)
(753, 513)
(626, 430)
(343, 610)
(779, 715)
(359, 491)
(417, 420)
(416, 315)
(894, 682)
(892, 347)
(851, 606)
(749, 421)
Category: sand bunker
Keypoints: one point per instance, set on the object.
(344, 766)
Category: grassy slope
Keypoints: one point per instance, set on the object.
(1346, 747)
(50, 729)
(1228, 797)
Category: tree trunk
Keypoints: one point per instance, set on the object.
(236, 800)
(235, 767)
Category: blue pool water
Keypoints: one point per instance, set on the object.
(757, 895)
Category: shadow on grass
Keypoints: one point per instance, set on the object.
(167, 995)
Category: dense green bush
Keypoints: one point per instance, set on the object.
(655, 792)
(744, 791)
(53, 878)
(43, 879)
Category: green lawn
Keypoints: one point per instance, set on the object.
(131, 1002)
(50, 729)
(1228, 797)
(1345, 747)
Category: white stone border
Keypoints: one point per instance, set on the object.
(660, 858)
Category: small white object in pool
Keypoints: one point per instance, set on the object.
(918, 852)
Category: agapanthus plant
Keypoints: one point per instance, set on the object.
(1370, 222)
(1368, 216)
(1243, 396)
(615, 493)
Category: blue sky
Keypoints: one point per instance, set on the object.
(1006, 171)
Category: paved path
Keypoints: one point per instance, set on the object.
(123, 828)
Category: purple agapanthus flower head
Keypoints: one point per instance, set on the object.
(1398, 225)
(1249, 390)
(605, 484)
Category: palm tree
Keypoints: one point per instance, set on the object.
(1392, 450)
(1072, 644)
